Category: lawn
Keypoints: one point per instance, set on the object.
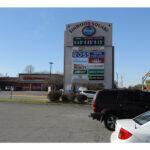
(33, 101)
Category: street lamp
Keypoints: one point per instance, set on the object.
(50, 70)
(50, 67)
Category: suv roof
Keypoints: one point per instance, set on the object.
(117, 90)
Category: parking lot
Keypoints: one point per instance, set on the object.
(49, 123)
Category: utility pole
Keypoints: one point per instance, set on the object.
(117, 78)
(122, 81)
(50, 71)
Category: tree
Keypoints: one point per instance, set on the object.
(55, 81)
(29, 69)
(115, 86)
(136, 87)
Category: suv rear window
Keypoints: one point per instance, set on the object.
(143, 118)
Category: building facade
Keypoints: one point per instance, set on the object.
(31, 82)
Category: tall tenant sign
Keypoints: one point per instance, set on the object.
(88, 54)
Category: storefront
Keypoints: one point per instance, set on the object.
(31, 82)
(34, 82)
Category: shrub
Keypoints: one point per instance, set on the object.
(54, 95)
(81, 98)
(71, 97)
(64, 98)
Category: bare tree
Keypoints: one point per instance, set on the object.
(29, 69)
(55, 81)
(136, 87)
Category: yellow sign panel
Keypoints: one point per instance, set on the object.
(148, 84)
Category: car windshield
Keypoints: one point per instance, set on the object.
(143, 118)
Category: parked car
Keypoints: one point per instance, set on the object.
(88, 93)
(132, 130)
(7, 88)
(110, 105)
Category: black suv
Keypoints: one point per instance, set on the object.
(110, 105)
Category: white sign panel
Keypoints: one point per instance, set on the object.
(80, 77)
(96, 66)
(79, 66)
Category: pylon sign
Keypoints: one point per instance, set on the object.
(88, 53)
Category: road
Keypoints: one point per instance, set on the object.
(49, 123)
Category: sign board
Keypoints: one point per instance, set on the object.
(79, 66)
(80, 77)
(88, 63)
(80, 60)
(96, 66)
(96, 60)
(87, 48)
(79, 71)
(80, 54)
(96, 77)
(78, 41)
(88, 30)
(88, 53)
(96, 71)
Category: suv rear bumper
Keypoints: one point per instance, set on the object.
(96, 115)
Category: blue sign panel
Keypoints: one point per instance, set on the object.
(88, 30)
(80, 60)
(96, 54)
(80, 54)
(88, 54)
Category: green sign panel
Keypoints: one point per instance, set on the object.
(96, 77)
(96, 71)
(79, 71)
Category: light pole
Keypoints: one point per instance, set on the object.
(50, 71)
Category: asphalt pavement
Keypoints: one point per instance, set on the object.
(49, 123)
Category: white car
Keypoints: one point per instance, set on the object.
(88, 93)
(133, 130)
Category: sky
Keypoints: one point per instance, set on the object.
(35, 36)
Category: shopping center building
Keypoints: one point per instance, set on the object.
(28, 82)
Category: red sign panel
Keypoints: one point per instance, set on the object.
(34, 78)
(96, 60)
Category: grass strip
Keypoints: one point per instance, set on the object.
(33, 101)
(24, 101)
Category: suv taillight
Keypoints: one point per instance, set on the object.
(94, 108)
(95, 96)
(124, 134)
